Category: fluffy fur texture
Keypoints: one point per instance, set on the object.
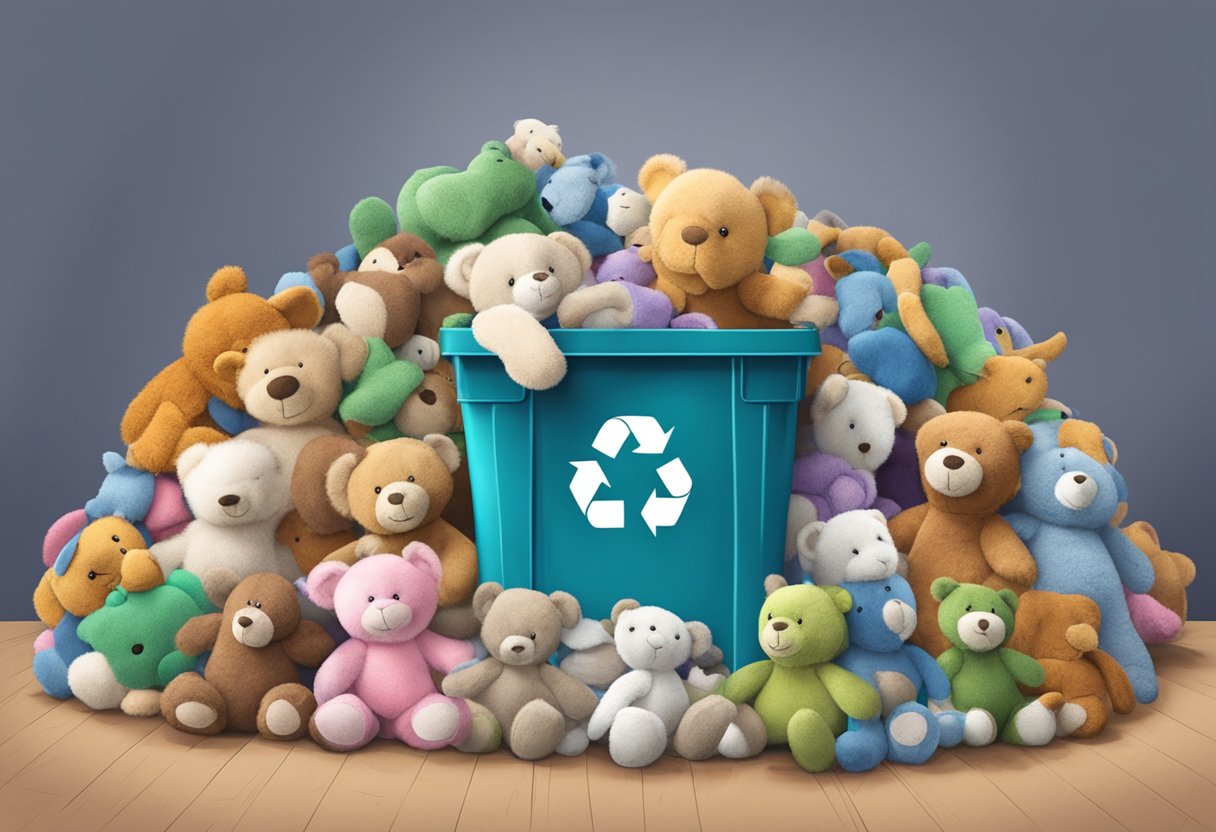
(985, 674)
(1064, 513)
(577, 197)
(710, 234)
(898, 479)
(379, 683)
(536, 144)
(853, 546)
(374, 399)
(430, 408)
(1061, 633)
(252, 679)
(309, 547)
(1009, 337)
(804, 698)
(880, 621)
(651, 308)
(170, 413)
(1159, 614)
(540, 709)
(969, 469)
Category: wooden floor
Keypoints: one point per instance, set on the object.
(63, 766)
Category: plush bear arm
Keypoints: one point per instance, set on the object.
(198, 635)
(675, 294)
(141, 570)
(621, 694)
(1023, 525)
(744, 684)
(340, 670)
(309, 645)
(792, 247)
(1118, 686)
(937, 686)
(1134, 567)
(844, 487)
(855, 696)
(46, 603)
(348, 554)
(471, 681)
(528, 352)
(575, 699)
(951, 662)
(771, 296)
(442, 653)
(1006, 553)
(920, 329)
(610, 303)
(1024, 669)
(905, 525)
(158, 417)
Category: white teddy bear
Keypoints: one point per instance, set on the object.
(535, 144)
(853, 546)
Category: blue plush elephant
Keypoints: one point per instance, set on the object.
(577, 197)
(883, 616)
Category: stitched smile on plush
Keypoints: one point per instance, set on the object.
(401, 506)
(234, 506)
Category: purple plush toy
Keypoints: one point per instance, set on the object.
(651, 308)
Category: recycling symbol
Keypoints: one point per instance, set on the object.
(589, 476)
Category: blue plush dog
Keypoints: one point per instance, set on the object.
(577, 195)
(882, 618)
(1070, 494)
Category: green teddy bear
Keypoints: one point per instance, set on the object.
(372, 400)
(134, 653)
(803, 698)
(449, 208)
(984, 674)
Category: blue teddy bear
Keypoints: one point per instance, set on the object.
(1070, 494)
(882, 618)
(577, 196)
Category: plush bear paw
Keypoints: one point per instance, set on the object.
(44, 641)
(816, 309)
(908, 728)
(979, 728)
(1070, 717)
(704, 726)
(141, 703)
(218, 584)
(420, 350)
(637, 738)
(140, 571)
(436, 722)
(699, 679)
(196, 715)
(574, 742)
(93, 682)
(811, 741)
(343, 724)
(485, 734)
(285, 711)
(1034, 724)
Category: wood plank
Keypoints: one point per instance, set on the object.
(1191, 709)
(293, 793)
(11, 631)
(499, 795)
(27, 744)
(438, 793)
(561, 797)
(1179, 741)
(12, 685)
(957, 794)
(369, 788)
(23, 708)
(882, 802)
(615, 792)
(669, 797)
(726, 793)
(233, 790)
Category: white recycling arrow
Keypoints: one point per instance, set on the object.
(646, 429)
(602, 514)
(666, 511)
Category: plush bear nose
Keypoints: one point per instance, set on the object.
(283, 387)
(1079, 479)
(864, 447)
(779, 625)
(229, 500)
(953, 462)
(540, 277)
(983, 624)
(428, 397)
(546, 204)
(244, 621)
(694, 235)
(396, 498)
(519, 648)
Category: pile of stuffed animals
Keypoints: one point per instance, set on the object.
(287, 544)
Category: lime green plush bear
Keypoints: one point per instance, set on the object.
(494, 196)
(802, 697)
(984, 674)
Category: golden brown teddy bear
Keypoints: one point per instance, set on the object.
(80, 580)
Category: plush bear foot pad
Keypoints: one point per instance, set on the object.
(574, 743)
(339, 725)
(485, 734)
(979, 728)
(195, 715)
(1071, 717)
(436, 723)
(637, 738)
(141, 703)
(908, 728)
(282, 718)
(1035, 724)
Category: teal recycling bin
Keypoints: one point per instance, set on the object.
(659, 469)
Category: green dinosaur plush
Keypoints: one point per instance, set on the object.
(374, 398)
(984, 674)
(449, 207)
(802, 697)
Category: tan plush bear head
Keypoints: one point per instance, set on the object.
(522, 626)
(709, 230)
(432, 407)
(970, 463)
(531, 271)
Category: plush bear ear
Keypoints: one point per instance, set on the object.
(623, 605)
(323, 582)
(567, 606)
(446, 448)
(702, 639)
(1010, 598)
(228, 364)
(832, 391)
(323, 265)
(299, 305)
(773, 583)
(1112, 450)
(576, 247)
(113, 462)
(1039, 362)
(840, 597)
(337, 478)
(424, 558)
(899, 410)
(309, 482)
(657, 173)
(1021, 435)
(458, 273)
(189, 459)
(484, 598)
(807, 539)
(838, 267)
(877, 515)
(352, 350)
(942, 587)
(604, 168)
(229, 280)
(779, 204)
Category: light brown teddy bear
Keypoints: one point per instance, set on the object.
(1061, 632)
(397, 491)
(709, 233)
(540, 709)
(307, 546)
(252, 679)
(969, 467)
(170, 413)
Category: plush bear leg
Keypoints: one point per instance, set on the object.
(344, 723)
(52, 673)
(285, 711)
(1154, 622)
(1035, 722)
(455, 622)
(537, 730)
(951, 726)
(637, 738)
(811, 741)
(485, 734)
(157, 445)
(218, 584)
(93, 682)
(574, 741)
(1118, 636)
(979, 728)
(862, 747)
(745, 737)
(912, 734)
(141, 703)
(191, 704)
(703, 727)
(436, 721)
(1083, 717)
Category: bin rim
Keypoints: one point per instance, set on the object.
(796, 342)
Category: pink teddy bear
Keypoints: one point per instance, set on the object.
(378, 683)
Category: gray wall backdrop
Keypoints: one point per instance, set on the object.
(1059, 154)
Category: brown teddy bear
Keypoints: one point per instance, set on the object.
(437, 302)
(170, 413)
(1009, 387)
(252, 679)
(1173, 571)
(709, 233)
(1061, 632)
(397, 491)
(969, 467)
(540, 709)
(307, 546)
(383, 299)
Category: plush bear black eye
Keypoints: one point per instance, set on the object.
(770, 616)
(244, 349)
(1000, 330)
(859, 609)
(652, 628)
(552, 270)
(410, 478)
(511, 282)
(1061, 454)
(800, 621)
(942, 443)
(631, 629)
(122, 551)
(979, 451)
(532, 636)
(994, 610)
(677, 636)
(301, 365)
(417, 254)
(968, 608)
(1029, 380)
(852, 425)
(371, 598)
(114, 538)
(137, 649)
(249, 603)
(396, 597)
(499, 160)
(856, 552)
(377, 489)
(257, 604)
(887, 588)
(878, 315)
(296, 539)
(92, 575)
(723, 231)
